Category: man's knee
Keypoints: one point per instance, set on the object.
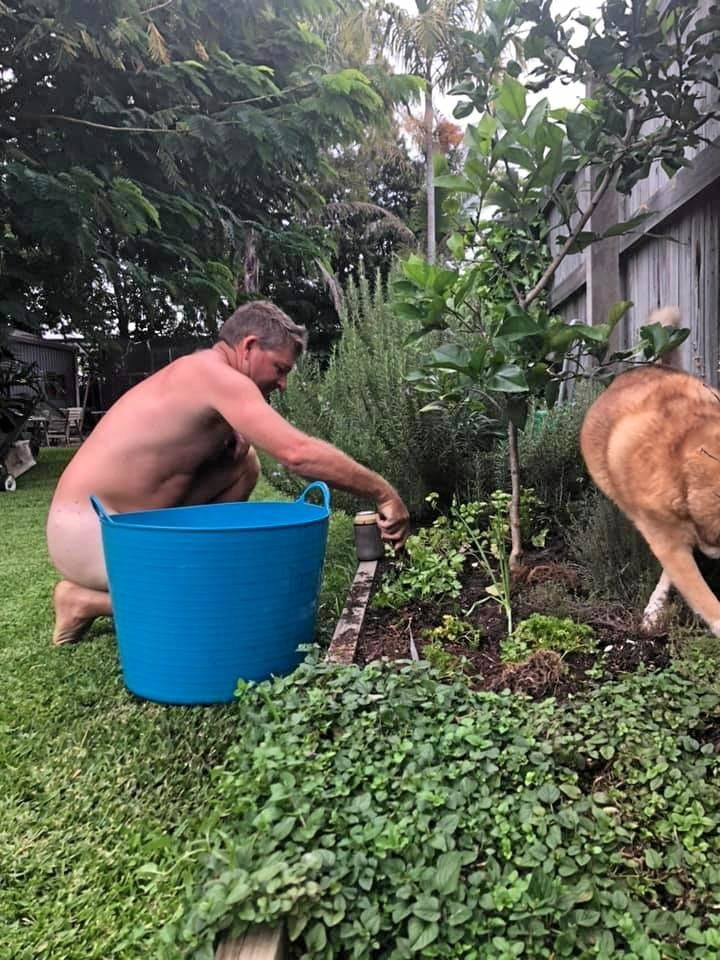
(248, 472)
(253, 465)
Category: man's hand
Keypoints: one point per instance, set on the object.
(393, 519)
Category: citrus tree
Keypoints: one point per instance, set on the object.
(501, 345)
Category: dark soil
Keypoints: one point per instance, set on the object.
(545, 584)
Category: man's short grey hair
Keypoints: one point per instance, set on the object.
(271, 325)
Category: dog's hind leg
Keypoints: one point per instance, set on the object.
(680, 569)
(653, 613)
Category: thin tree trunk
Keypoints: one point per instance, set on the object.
(429, 172)
(251, 264)
(122, 311)
(516, 549)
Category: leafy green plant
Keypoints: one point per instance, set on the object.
(436, 555)
(454, 629)
(426, 571)
(444, 663)
(381, 814)
(543, 632)
(21, 389)
(490, 550)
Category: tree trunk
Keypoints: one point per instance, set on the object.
(516, 549)
(251, 264)
(122, 309)
(429, 172)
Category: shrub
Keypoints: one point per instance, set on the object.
(615, 560)
(362, 404)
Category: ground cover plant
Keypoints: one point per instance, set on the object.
(94, 784)
(381, 814)
(554, 626)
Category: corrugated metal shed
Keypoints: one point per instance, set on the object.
(57, 361)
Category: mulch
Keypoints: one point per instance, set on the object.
(544, 584)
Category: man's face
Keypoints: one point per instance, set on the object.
(269, 369)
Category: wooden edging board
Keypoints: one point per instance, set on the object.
(260, 943)
(347, 632)
(266, 943)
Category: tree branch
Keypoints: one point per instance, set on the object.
(562, 253)
(114, 129)
(159, 6)
(101, 126)
(605, 182)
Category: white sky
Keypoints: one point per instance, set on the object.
(559, 95)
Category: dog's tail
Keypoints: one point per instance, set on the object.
(668, 317)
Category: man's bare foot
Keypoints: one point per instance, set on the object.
(75, 609)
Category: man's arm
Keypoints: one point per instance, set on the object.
(238, 400)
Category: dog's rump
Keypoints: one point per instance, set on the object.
(627, 429)
(651, 442)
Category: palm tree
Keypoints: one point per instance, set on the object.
(430, 43)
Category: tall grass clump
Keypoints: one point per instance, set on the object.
(362, 403)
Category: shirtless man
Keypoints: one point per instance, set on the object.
(186, 436)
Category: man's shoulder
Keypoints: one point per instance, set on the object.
(207, 360)
(206, 366)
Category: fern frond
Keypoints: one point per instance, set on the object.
(156, 45)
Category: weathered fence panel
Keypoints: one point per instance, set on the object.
(681, 266)
(672, 258)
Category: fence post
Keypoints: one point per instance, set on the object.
(603, 282)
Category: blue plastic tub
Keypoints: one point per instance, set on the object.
(204, 596)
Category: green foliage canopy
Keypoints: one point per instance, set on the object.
(140, 142)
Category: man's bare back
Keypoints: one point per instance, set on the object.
(185, 436)
(147, 450)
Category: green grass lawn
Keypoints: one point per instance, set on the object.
(94, 784)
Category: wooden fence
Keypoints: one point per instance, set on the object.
(673, 258)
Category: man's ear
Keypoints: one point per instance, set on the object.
(247, 343)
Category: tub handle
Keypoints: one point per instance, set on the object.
(322, 487)
(100, 509)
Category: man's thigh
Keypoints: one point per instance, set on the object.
(74, 543)
(224, 479)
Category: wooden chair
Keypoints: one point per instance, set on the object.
(65, 427)
(57, 428)
(75, 420)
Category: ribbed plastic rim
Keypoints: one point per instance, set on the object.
(129, 525)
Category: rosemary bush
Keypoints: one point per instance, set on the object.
(550, 458)
(615, 559)
(362, 404)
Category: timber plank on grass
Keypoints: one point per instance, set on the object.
(260, 943)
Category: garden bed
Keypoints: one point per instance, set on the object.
(543, 585)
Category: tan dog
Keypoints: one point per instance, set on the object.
(651, 442)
